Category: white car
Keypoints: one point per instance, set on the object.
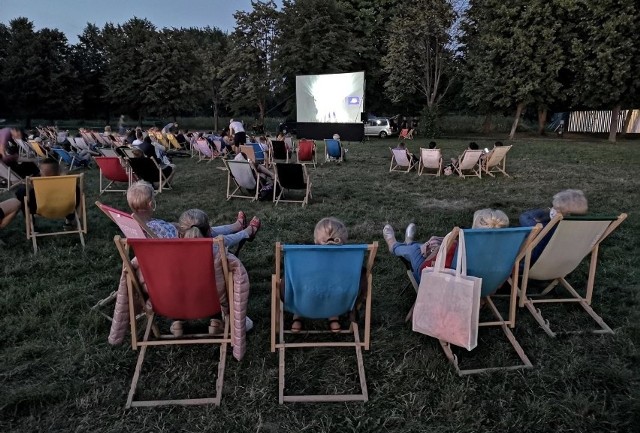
(381, 127)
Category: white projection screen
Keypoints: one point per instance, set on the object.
(330, 98)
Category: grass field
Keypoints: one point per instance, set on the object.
(58, 373)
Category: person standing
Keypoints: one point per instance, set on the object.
(236, 129)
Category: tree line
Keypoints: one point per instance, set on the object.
(430, 56)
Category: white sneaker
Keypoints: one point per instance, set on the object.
(410, 233)
(248, 323)
(389, 236)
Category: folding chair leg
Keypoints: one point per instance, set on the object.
(79, 226)
(537, 314)
(136, 376)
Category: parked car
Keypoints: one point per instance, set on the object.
(288, 127)
(381, 127)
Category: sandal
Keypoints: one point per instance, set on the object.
(333, 327)
(296, 326)
(242, 219)
(255, 224)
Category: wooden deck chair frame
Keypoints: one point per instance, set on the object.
(38, 149)
(314, 153)
(80, 210)
(173, 141)
(10, 176)
(505, 324)
(405, 134)
(277, 197)
(327, 157)
(162, 180)
(238, 188)
(469, 164)
(278, 334)
(530, 300)
(134, 292)
(496, 161)
(200, 144)
(428, 158)
(107, 188)
(115, 215)
(401, 162)
(26, 152)
(71, 160)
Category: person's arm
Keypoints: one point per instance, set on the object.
(534, 216)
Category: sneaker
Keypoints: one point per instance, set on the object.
(389, 236)
(248, 323)
(410, 233)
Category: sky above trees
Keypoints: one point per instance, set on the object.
(72, 16)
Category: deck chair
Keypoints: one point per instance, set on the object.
(204, 150)
(288, 177)
(469, 164)
(496, 161)
(249, 152)
(430, 159)
(245, 178)
(55, 199)
(303, 288)
(71, 160)
(177, 290)
(111, 169)
(406, 134)
(25, 151)
(148, 170)
(307, 152)
(160, 138)
(131, 228)
(279, 151)
(400, 161)
(495, 255)
(88, 138)
(289, 142)
(173, 141)
(572, 239)
(333, 150)
(10, 176)
(40, 151)
(108, 152)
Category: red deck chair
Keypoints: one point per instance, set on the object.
(111, 169)
(176, 289)
(307, 152)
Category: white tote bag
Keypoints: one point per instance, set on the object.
(448, 303)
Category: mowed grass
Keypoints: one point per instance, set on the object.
(58, 373)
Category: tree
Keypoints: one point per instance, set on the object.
(419, 58)
(249, 78)
(88, 58)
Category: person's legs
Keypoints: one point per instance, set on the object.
(8, 210)
(411, 253)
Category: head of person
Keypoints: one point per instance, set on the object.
(140, 197)
(401, 145)
(432, 145)
(194, 223)
(49, 167)
(147, 139)
(490, 219)
(336, 137)
(498, 144)
(139, 135)
(473, 146)
(107, 129)
(330, 231)
(570, 202)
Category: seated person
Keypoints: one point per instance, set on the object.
(566, 202)
(8, 210)
(48, 167)
(141, 200)
(263, 171)
(424, 255)
(10, 153)
(151, 151)
(487, 153)
(328, 231)
(410, 156)
(449, 168)
(342, 149)
(432, 145)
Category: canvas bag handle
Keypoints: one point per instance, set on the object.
(461, 262)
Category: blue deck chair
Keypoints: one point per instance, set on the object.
(71, 160)
(571, 240)
(321, 281)
(333, 150)
(494, 255)
(260, 157)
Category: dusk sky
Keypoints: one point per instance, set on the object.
(72, 16)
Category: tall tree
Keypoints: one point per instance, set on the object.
(90, 63)
(420, 57)
(249, 78)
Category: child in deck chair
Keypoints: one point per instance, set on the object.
(328, 231)
(142, 202)
(567, 202)
(410, 156)
(424, 255)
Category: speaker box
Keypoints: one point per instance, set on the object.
(364, 117)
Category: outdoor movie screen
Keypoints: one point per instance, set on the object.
(330, 98)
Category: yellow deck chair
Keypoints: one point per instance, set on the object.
(56, 198)
(430, 159)
(38, 149)
(173, 141)
(496, 161)
(305, 287)
(469, 164)
(160, 138)
(573, 239)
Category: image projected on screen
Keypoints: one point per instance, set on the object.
(330, 98)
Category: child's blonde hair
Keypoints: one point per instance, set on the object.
(330, 230)
(194, 223)
(490, 219)
(140, 196)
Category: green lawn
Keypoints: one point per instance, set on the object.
(58, 373)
